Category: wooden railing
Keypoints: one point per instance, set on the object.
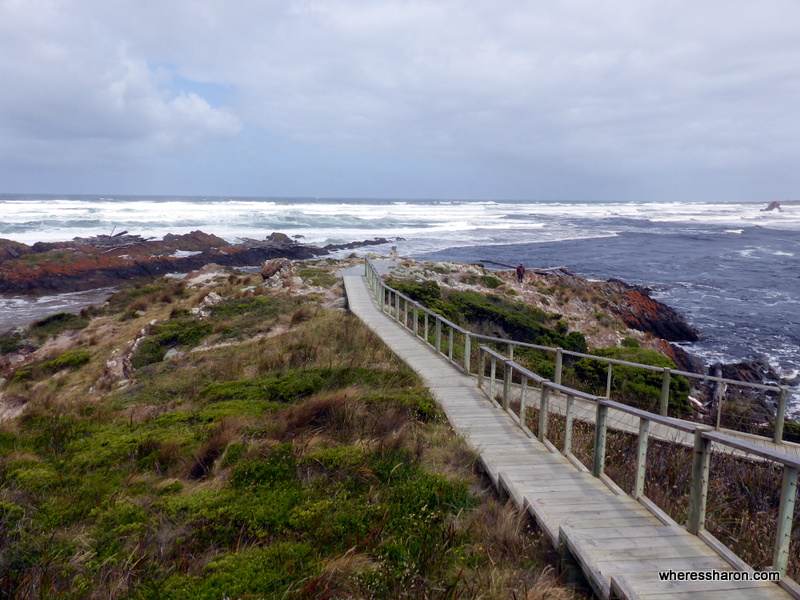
(445, 337)
(703, 438)
(458, 344)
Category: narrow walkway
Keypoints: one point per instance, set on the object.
(619, 544)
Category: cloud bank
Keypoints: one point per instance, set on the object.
(618, 100)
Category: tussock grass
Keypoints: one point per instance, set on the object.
(306, 464)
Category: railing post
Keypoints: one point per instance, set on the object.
(665, 392)
(426, 327)
(641, 458)
(467, 352)
(450, 343)
(438, 344)
(608, 381)
(397, 306)
(481, 366)
(600, 429)
(492, 372)
(544, 412)
(416, 319)
(510, 351)
(507, 375)
(783, 535)
(559, 365)
(699, 485)
(780, 416)
(522, 390)
(568, 425)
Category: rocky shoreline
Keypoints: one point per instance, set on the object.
(613, 313)
(87, 263)
(604, 311)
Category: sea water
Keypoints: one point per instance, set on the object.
(732, 269)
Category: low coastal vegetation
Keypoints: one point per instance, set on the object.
(217, 437)
(492, 314)
(220, 437)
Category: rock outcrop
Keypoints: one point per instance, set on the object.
(86, 263)
(639, 311)
(773, 206)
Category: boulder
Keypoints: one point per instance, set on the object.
(274, 266)
(639, 311)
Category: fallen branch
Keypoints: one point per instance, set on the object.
(539, 271)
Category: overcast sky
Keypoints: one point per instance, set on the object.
(508, 99)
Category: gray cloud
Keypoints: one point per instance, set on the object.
(579, 99)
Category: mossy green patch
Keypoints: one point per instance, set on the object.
(316, 275)
(57, 323)
(9, 344)
(260, 572)
(175, 333)
(71, 359)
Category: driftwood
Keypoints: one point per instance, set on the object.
(539, 271)
(267, 244)
(119, 240)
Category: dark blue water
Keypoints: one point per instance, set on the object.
(740, 288)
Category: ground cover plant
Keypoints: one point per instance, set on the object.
(494, 315)
(281, 452)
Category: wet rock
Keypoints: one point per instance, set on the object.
(73, 266)
(10, 249)
(639, 311)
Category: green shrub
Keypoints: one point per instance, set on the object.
(427, 293)
(633, 385)
(629, 342)
(278, 388)
(55, 324)
(71, 359)
(417, 399)
(317, 275)
(178, 333)
(278, 467)
(260, 572)
(8, 344)
(491, 282)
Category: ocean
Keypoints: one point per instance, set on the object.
(732, 269)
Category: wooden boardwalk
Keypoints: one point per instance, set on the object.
(619, 544)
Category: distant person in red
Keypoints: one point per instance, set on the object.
(520, 272)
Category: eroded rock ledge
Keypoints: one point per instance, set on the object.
(86, 263)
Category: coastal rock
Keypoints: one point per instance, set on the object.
(354, 245)
(753, 407)
(639, 311)
(773, 206)
(682, 359)
(10, 250)
(274, 266)
(72, 266)
(757, 371)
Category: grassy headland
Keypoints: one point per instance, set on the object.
(219, 437)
